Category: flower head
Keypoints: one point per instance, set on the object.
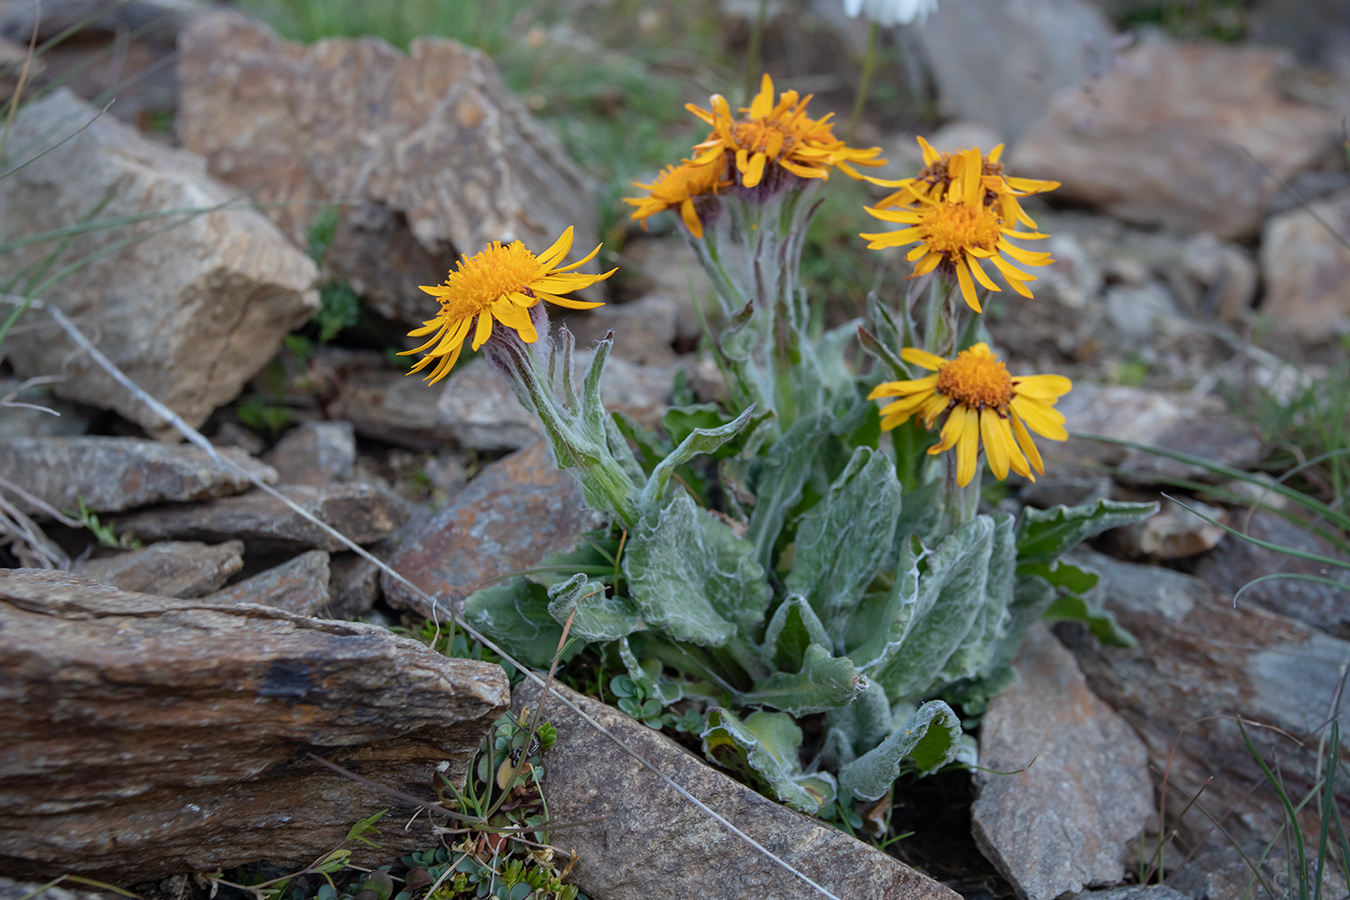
(941, 169)
(500, 283)
(777, 134)
(890, 12)
(955, 228)
(676, 187)
(982, 401)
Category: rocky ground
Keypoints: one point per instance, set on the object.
(165, 605)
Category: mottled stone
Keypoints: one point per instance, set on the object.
(145, 736)
(429, 152)
(353, 586)
(1182, 136)
(299, 586)
(395, 408)
(179, 569)
(517, 510)
(1200, 664)
(1064, 785)
(363, 513)
(113, 474)
(652, 842)
(1307, 270)
(1216, 279)
(189, 312)
(314, 453)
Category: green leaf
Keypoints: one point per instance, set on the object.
(596, 618)
(929, 739)
(921, 508)
(1045, 535)
(779, 481)
(651, 447)
(691, 577)
(1062, 575)
(1076, 608)
(765, 747)
(950, 599)
(973, 656)
(699, 441)
(515, 614)
(824, 682)
(858, 727)
(793, 627)
(681, 421)
(843, 540)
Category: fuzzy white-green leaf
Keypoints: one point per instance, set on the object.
(595, 617)
(824, 682)
(1044, 535)
(765, 746)
(929, 740)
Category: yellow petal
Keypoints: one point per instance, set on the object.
(922, 358)
(1042, 387)
(930, 155)
(557, 251)
(968, 448)
(967, 285)
(484, 329)
(1024, 441)
(982, 277)
(994, 447)
(1040, 418)
(900, 388)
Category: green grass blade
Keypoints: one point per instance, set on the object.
(1290, 815)
(1288, 551)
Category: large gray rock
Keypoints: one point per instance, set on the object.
(362, 513)
(1183, 136)
(1001, 63)
(516, 511)
(113, 474)
(429, 152)
(1064, 783)
(651, 842)
(1307, 270)
(190, 308)
(144, 736)
(315, 453)
(181, 569)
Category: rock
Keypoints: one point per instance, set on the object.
(1163, 138)
(299, 586)
(315, 453)
(1316, 31)
(1216, 279)
(1002, 64)
(1174, 533)
(1236, 562)
(393, 407)
(1139, 314)
(157, 20)
(1200, 664)
(181, 569)
(516, 511)
(429, 152)
(1055, 489)
(1136, 892)
(644, 329)
(1064, 784)
(666, 266)
(19, 890)
(1307, 270)
(145, 736)
(13, 56)
(363, 513)
(1185, 423)
(353, 586)
(188, 312)
(652, 842)
(25, 421)
(112, 474)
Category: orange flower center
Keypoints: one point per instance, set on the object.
(953, 227)
(486, 277)
(976, 381)
(771, 137)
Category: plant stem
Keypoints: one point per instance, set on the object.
(752, 51)
(864, 82)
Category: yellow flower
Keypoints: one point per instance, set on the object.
(676, 187)
(941, 169)
(781, 134)
(501, 283)
(982, 401)
(956, 231)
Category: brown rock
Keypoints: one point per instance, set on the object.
(188, 312)
(1173, 533)
(1064, 783)
(1307, 270)
(315, 453)
(1164, 136)
(652, 842)
(144, 736)
(395, 408)
(181, 569)
(436, 155)
(353, 586)
(363, 513)
(112, 474)
(1199, 665)
(516, 511)
(299, 586)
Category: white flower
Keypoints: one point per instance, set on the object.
(891, 12)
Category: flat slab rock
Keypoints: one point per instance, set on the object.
(1199, 665)
(181, 569)
(189, 312)
(1079, 789)
(144, 736)
(363, 513)
(299, 586)
(112, 474)
(1306, 269)
(516, 511)
(652, 842)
